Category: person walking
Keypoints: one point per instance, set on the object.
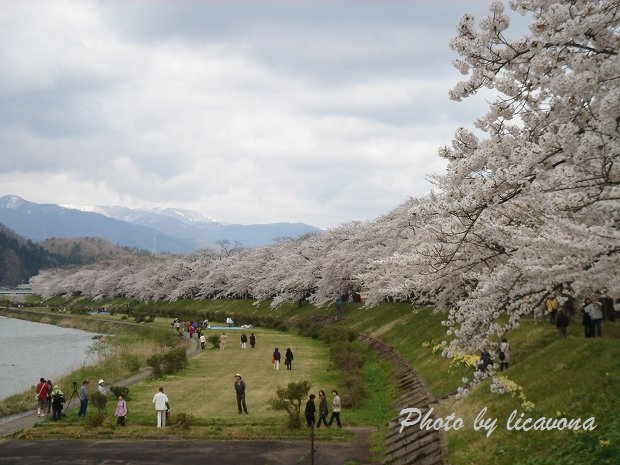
(552, 306)
(223, 339)
(485, 360)
(240, 392)
(275, 359)
(595, 311)
(58, 398)
(504, 354)
(203, 341)
(252, 340)
(586, 321)
(121, 411)
(244, 340)
(48, 401)
(310, 411)
(561, 322)
(288, 359)
(161, 405)
(42, 390)
(83, 396)
(322, 409)
(336, 408)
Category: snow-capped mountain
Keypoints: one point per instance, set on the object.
(142, 215)
(162, 229)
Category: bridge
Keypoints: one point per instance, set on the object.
(18, 290)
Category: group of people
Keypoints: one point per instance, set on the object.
(288, 359)
(323, 410)
(503, 353)
(50, 399)
(244, 340)
(592, 315)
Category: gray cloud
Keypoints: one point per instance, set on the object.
(247, 111)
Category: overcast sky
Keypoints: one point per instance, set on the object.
(245, 111)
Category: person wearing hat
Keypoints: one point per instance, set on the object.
(101, 388)
(240, 391)
(83, 396)
(58, 398)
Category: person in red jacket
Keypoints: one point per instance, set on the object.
(42, 391)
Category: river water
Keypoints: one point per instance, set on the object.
(30, 351)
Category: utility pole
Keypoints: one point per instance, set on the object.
(312, 445)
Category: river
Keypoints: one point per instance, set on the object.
(30, 351)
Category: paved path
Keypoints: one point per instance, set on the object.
(182, 452)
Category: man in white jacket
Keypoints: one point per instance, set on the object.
(161, 405)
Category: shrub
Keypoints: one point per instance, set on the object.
(120, 391)
(168, 363)
(354, 389)
(290, 399)
(347, 356)
(214, 339)
(155, 362)
(335, 335)
(174, 360)
(98, 400)
(95, 419)
(183, 421)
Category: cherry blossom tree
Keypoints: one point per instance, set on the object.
(528, 205)
(529, 202)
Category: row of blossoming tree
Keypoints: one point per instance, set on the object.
(528, 205)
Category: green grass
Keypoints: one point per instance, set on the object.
(205, 390)
(576, 377)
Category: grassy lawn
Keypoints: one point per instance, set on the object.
(205, 390)
(573, 378)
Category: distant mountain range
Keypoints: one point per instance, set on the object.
(159, 230)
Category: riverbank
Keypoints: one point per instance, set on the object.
(120, 353)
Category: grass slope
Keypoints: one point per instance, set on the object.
(576, 377)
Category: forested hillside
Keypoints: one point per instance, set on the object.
(83, 250)
(20, 258)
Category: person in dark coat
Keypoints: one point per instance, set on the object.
(485, 360)
(561, 322)
(288, 359)
(586, 321)
(310, 411)
(58, 399)
(323, 411)
(275, 359)
(240, 391)
(252, 340)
